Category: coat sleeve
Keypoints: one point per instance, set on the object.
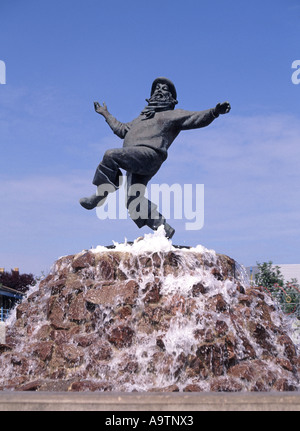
(195, 119)
(119, 129)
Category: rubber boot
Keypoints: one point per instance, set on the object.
(92, 201)
(154, 220)
(158, 220)
(169, 230)
(104, 187)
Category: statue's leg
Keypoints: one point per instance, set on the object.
(107, 178)
(141, 163)
(142, 211)
(108, 171)
(138, 160)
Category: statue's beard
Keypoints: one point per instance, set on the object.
(158, 102)
(159, 99)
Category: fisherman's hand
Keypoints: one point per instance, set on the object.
(101, 109)
(222, 108)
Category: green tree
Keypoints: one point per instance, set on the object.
(268, 275)
(286, 294)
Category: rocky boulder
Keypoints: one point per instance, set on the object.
(148, 319)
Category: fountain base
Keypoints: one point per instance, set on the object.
(149, 318)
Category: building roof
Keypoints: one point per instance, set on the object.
(8, 291)
(290, 271)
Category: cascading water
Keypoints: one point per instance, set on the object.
(148, 317)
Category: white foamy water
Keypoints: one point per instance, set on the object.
(152, 242)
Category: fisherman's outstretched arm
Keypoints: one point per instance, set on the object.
(119, 129)
(197, 119)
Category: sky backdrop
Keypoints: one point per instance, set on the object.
(61, 56)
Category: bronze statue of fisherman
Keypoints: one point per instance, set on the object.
(145, 147)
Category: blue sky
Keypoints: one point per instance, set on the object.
(60, 56)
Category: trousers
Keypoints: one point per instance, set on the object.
(141, 163)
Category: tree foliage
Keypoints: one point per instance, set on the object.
(17, 281)
(268, 275)
(287, 294)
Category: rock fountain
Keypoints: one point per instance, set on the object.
(148, 317)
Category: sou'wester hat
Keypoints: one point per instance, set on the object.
(162, 80)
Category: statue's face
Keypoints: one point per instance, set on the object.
(162, 97)
(161, 90)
